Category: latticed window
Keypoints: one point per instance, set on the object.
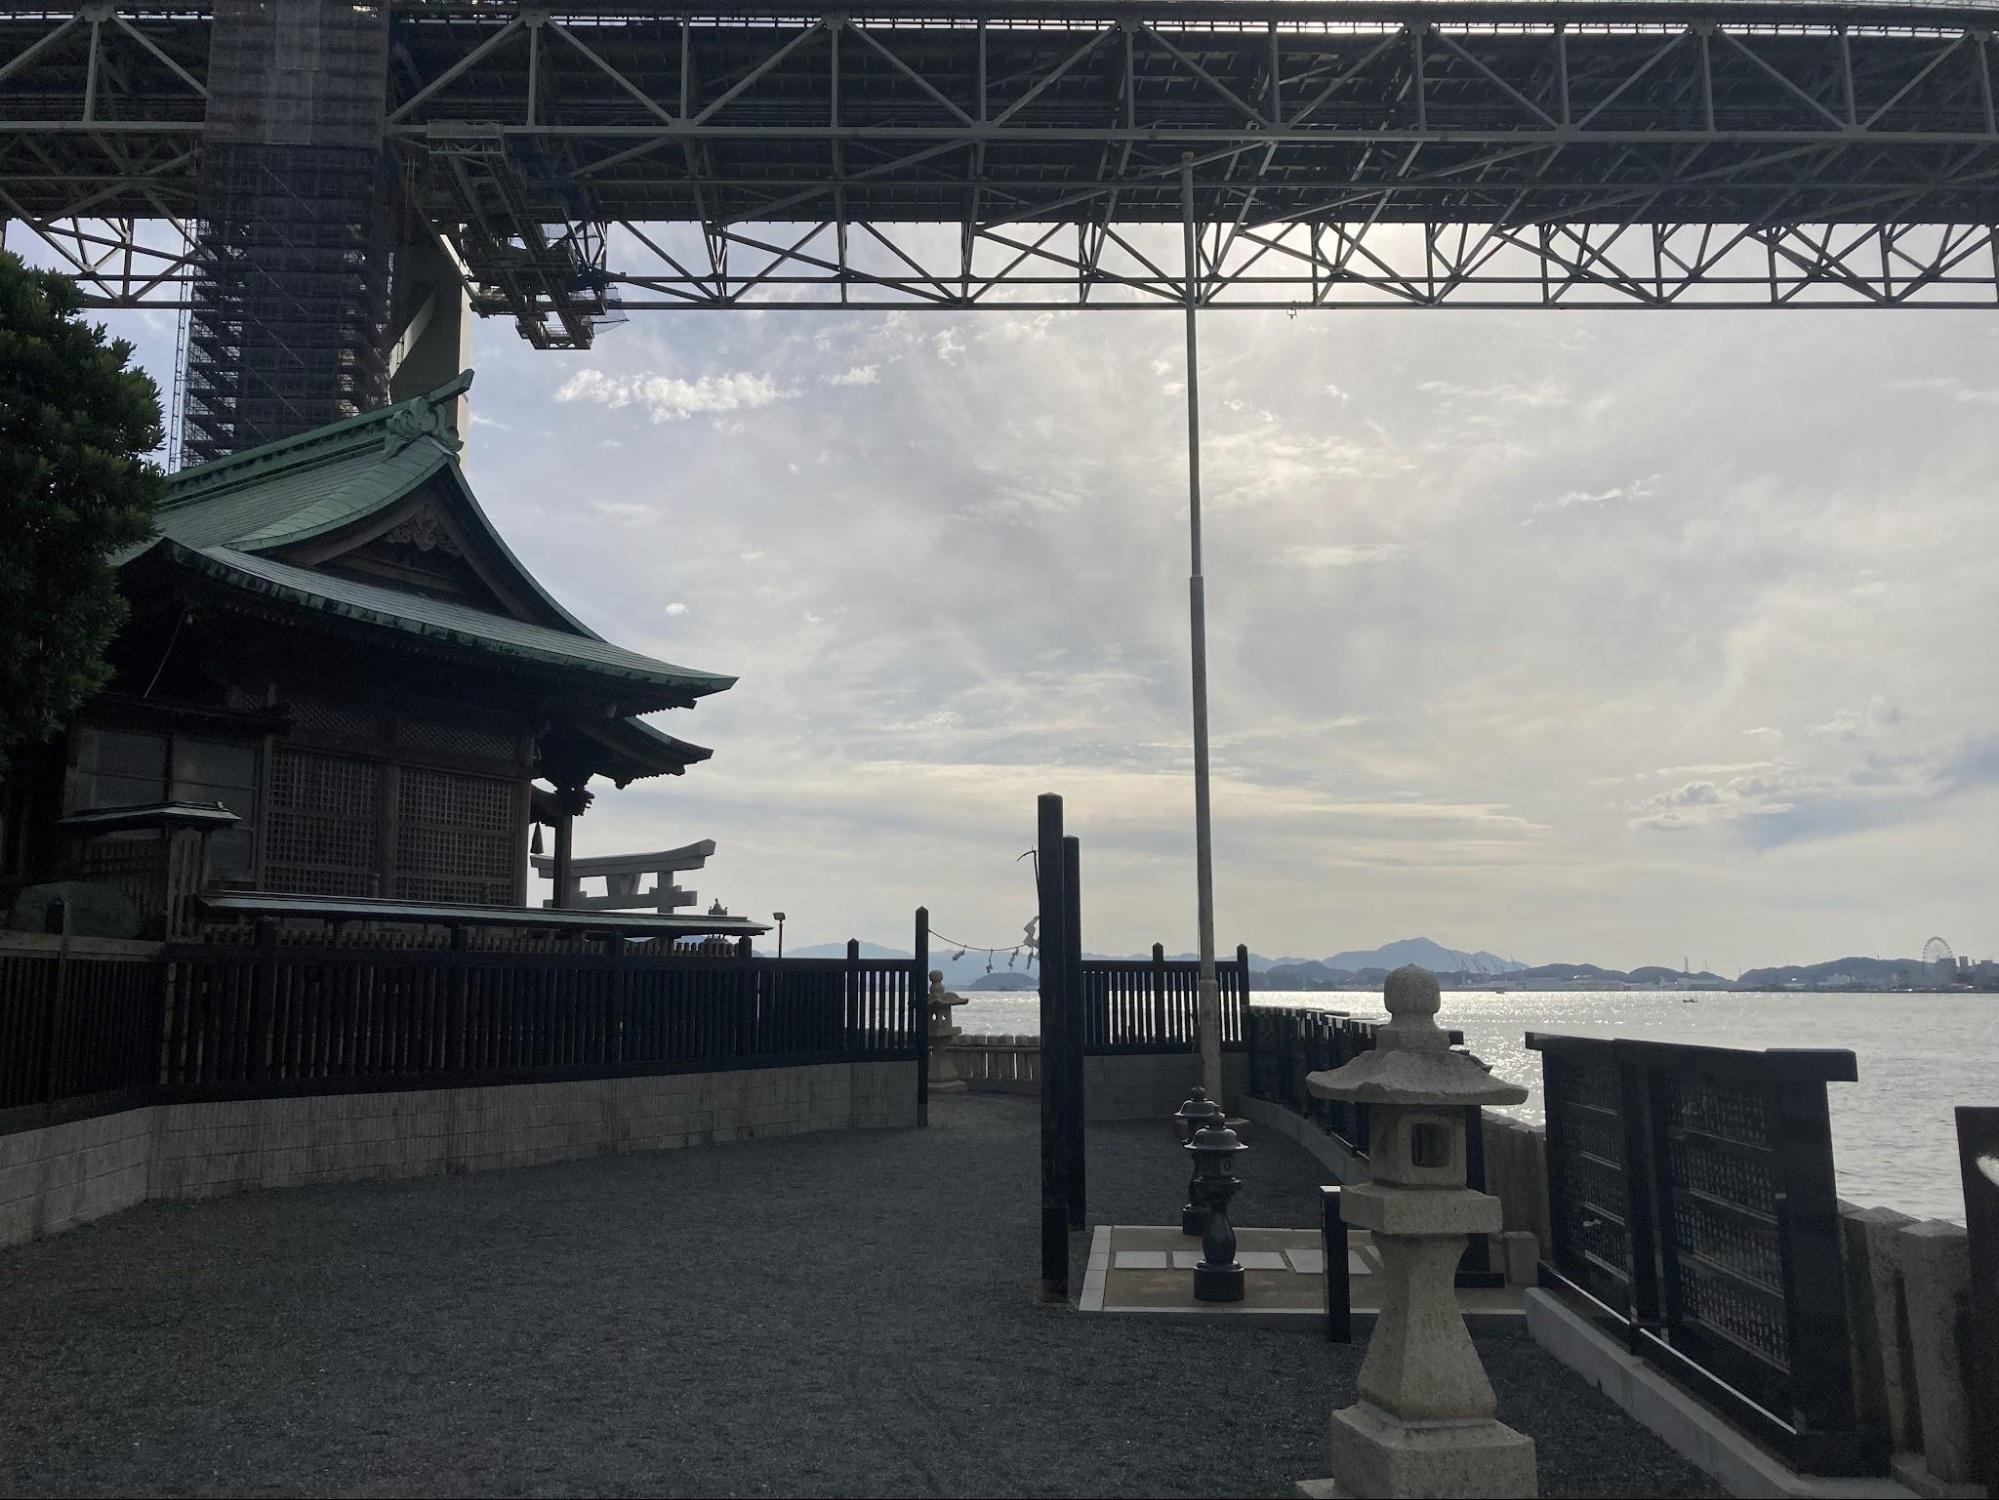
(456, 838)
(322, 823)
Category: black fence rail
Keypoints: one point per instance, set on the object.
(201, 1020)
(78, 1017)
(1693, 1209)
(1288, 1042)
(1135, 1006)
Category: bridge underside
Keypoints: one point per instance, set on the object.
(585, 160)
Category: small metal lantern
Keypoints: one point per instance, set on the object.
(1217, 1278)
(1190, 1117)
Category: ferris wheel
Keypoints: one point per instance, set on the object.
(1937, 954)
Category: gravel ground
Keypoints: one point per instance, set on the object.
(850, 1314)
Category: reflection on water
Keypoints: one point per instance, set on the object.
(1894, 1141)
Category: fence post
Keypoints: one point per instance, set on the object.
(1815, 1301)
(1158, 992)
(1643, 1185)
(746, 998)
(1054, 1029)
(1072, 982)
(620, 950)
(1241, 994)
(1475, 1265)
(55, 1012)
(919, 1010)
(1339, 1280)
(263, 1000)
(852, 1002)
(1978, 1142)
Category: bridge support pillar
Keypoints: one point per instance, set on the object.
(431, 320)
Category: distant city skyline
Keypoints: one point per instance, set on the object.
(1583, 635)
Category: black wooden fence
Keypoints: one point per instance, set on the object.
(1693, 1210)
(1133, 1006)
(1288, 1042)
(78, 1019)
(237, 1020)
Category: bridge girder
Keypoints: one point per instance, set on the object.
(1027, 155)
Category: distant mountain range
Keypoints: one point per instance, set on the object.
(966, 972)
(1455, 967)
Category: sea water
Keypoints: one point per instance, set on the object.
(1894, 1140)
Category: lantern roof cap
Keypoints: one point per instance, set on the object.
(1412, 1062)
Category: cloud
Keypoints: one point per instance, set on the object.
(1789, 803)
(1544, 394)
(856, 375)
(669, 399)
(676, 608)
(1956, 390)
(1617, 494)
(1344, 555)
(1872, 719)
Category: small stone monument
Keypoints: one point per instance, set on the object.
(944, 1077)
(1424, 1422)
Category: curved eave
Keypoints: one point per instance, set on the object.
(430, 622)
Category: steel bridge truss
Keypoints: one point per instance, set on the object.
(582, 157)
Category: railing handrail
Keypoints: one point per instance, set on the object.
(76, 945)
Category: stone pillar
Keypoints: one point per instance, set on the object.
(944, 1076)
(1424, 1424)
(1935, 1262)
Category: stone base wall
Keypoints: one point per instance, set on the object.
(63, 1175)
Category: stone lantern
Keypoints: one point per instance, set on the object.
(1424, 1422)
(944, 1078)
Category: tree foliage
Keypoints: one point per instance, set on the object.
(76, 422)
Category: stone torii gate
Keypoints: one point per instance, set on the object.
(621, 874)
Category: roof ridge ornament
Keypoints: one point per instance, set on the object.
(419, 417)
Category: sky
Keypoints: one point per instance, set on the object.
(1609, 637)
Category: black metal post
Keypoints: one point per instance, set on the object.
(263, 1000)
(1815, 1296)
(1339, 1281)
(919, 1009)
(1475, 1268)
(1072, 984)
(1054, 1194)
(1978, 1162)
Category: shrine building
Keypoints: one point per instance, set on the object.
(340, 694)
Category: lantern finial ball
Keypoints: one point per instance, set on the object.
(1412, 992)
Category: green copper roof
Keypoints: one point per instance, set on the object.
(222, 519)
(436, 619)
